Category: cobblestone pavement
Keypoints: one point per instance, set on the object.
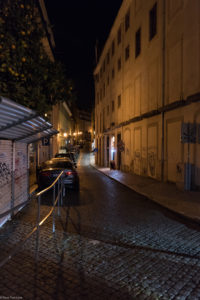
(110, 243)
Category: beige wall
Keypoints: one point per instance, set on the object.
(158, 79)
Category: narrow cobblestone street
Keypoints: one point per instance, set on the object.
(110, 243)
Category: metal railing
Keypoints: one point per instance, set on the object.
(57, 201)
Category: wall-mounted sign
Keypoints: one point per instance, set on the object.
(188, 133)
(45, 141)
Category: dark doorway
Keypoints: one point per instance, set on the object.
(107, 150)
(118, 152)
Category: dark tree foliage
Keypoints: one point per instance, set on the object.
(27, 74)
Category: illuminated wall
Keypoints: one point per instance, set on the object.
(147, 88)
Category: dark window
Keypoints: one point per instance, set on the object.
(138, 42)
(101, 72)
(100, 94)
(127, 53)
(127, 20)
(113, 106)
(153, 21)
(119, 101)
(113, 48)
(103, 119)
(108, 58)
(113, 73)
(107, 109)
(104, 66)
(119, 36)
(119, 64)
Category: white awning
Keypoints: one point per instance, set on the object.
(19, 123)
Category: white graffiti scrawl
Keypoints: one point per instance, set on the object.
(4, 173)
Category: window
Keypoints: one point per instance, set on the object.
(113, 73)
(127, 20)
(108, 58)
(104, 119)
(119, 64)
(138, 42)
(127, 53)
(153, 21)
(107, 109)
(119, 101)
(104, 90)
(101, 72)
(113, 48)
(113, 106)
(119, 36)
(104, 66)
(108, 80)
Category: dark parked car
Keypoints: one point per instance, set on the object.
(69, 155)
(50, 169)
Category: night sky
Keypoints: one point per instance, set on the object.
(77, 25)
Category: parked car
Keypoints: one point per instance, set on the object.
(49, 170)
(69, 155)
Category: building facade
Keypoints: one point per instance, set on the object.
(147, 92)
(82, 126)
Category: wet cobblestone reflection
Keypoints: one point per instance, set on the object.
(110, 243)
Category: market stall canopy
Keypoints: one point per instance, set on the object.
(19, 123)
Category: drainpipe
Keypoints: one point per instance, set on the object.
(163, 93)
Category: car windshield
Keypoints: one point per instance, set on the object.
(62, 155)
(58, 164)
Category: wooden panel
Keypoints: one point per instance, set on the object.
(174, 149)
(152, 150)
(137, 151)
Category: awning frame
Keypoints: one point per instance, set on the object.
(18, 123)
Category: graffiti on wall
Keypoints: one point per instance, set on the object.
(4, 173)
(20, 164)
(152, 162)
(137, 161)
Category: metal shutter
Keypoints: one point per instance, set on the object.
(21, 174)
(5, 177)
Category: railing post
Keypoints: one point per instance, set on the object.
(38, 228)
(61, 186)
(59, 191)
(54, 197)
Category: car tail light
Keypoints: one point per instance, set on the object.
(69, 173)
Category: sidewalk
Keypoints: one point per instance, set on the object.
(185, 203)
